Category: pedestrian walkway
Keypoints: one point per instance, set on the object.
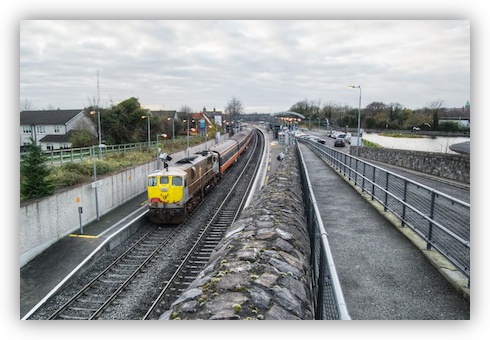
(383, 275)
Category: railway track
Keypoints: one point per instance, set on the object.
(211, 234)
(93, 299)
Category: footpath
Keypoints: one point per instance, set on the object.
(384, 276)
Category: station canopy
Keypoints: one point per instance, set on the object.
(289, 114)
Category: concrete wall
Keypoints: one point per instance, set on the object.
(45, 221)
(450, 166)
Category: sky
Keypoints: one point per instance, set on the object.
(269, 65)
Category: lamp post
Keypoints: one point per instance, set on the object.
(358, 119)
(173, 127)
(188, 135)
(148, 118)
(100, 136)
(96, 184)
(158, 149)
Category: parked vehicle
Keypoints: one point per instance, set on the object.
(341, 135)
(339, 142)
(319, 140)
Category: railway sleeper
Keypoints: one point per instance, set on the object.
(71, 317)
(83, 309)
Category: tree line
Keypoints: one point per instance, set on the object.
(127, 122)
(378, 115)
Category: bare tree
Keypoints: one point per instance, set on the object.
(186, 109)
(234, 108)
(26, 105)
(435, 107)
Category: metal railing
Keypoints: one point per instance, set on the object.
(329, 299)
(442, 221)
(60, 156)
(77, 154)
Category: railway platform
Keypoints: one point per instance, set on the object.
(48, 270)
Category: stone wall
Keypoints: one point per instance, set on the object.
(451, 166)
(261, 268)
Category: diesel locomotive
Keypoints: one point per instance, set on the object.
(175, 191)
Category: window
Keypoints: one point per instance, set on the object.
(152, 181)
(164, 180)
(40, 129)
(26, 129)
(177, 181)
(57, 129)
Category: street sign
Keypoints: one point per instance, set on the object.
(96, 184)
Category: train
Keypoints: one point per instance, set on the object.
(177, 189)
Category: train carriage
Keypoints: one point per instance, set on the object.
(232, 148)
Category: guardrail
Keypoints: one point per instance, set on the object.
(442, 221)
(329, 299)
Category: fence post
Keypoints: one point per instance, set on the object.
(404, 209)
(429, 237)
(386, 191)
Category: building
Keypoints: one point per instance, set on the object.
(460, 116)
(52, 129)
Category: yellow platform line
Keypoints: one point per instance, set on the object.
(83, 236)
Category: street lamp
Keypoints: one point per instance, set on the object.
(100, 136)
(358, 143)
(148, 118)
(158, 149)
(96, 183)
(188, 121)
(173, 127)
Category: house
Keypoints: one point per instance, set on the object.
(52, 129)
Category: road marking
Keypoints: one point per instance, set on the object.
(83, 236)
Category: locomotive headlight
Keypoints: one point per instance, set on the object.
(164, 189)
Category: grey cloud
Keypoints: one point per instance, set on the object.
(272, 64)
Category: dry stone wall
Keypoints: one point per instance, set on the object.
(261, 268)
(451, 166)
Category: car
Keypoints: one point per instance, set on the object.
(341, 135)
(321, 141)
(339, 142)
